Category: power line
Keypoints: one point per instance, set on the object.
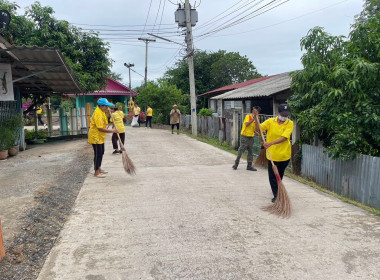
(246, 17)
(141, 46)
(227, 22)
(106, 25)
(162, 15)
(281, 22)
(146, 17)
(137, 73)
(216, 18)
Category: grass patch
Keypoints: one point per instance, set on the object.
(213, 141)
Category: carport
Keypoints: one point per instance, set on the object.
(36, 72)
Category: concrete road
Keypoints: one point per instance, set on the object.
(188, 215)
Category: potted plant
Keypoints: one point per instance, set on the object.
(14, 124)
(5, 141)
(10, 129)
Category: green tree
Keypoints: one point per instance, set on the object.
(212, 70)
(161, 96)
(85, 52)
(337, 94)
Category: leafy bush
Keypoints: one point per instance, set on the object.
(30, 134)
(67, 105)
(161, 96)
(205, 112)
(10, 129)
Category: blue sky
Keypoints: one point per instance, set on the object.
(270, 40)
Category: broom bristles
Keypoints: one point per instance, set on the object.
(281, 206)
(129, 167)
(262, 159)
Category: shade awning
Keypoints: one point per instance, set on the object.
(40, 70)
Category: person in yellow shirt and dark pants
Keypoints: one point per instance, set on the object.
(149, 115)
(39, 116)
(246, 140)
(278, 144)
(117, 116)
(97, 134)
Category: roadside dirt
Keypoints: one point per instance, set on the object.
(38, 188)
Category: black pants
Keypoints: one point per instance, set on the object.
(176, 124)
(115, 140)
(98, 155)
(148, 120)
(281, 166)
(40, 119)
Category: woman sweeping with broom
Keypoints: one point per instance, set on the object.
(97, 134)
(278, 145)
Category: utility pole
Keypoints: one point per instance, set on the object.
(129, 65)
(146, 40)
(190, 54)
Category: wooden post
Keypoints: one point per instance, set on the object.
(2, 249)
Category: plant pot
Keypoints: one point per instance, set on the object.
(3, 154)
(13, 150)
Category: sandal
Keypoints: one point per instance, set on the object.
(103, 172)
(100, 176)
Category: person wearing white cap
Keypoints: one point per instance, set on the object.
(97, 134)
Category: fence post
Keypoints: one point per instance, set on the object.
(235, 129)
(83, 120)
(63, 122)
(73, 121)
(49, 121)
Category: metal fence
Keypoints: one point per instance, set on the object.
(222, 128)
(58, 122)
(357, 179)
(7, 109)
(211, 127)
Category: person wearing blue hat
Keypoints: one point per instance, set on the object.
(97, 134)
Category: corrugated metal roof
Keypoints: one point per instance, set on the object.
(235, 86)
(268, 87)
(29, 60)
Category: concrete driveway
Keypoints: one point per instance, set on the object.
(188, 215)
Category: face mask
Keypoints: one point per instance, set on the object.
(283, 119)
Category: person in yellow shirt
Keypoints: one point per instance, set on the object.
(137, 111)
(278, 144)
(246, 140)
(149, 115)
(39, 116)
(117, 116)
(97, 134)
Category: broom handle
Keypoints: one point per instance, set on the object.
(262, 138)
(118, 136)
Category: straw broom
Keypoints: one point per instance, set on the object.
(261, 160)
(129, 167)
(281, 206)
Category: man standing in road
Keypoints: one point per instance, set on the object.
(246, 143)
(149, 115)
(175, 116)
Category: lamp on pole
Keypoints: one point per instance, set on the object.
(129, 65)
